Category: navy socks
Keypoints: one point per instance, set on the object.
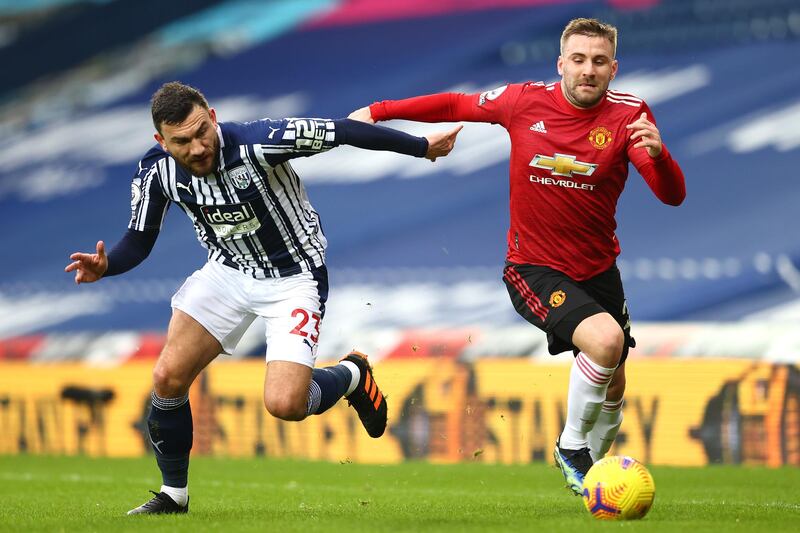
(327, 386)
(170, 430)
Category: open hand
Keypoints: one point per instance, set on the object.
(648, 135)
(440, 144)
(89, 267)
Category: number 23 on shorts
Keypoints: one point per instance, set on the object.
(301, 327)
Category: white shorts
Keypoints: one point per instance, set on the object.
(226, 301)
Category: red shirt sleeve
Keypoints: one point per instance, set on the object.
(662, 173)
(495, 106)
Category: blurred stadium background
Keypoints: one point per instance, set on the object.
(416, 249)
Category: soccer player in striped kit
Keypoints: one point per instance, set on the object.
(571, 142)
(266, 258)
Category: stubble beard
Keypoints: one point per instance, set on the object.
(210, 167)
(583, 101)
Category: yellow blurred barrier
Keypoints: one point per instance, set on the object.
(677, 412)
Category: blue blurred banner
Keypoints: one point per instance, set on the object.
(728, 114)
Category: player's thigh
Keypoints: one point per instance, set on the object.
(286, 388)
(216, 297)
(208, 318)
(189, 348)
(293, 315)
(551, 301)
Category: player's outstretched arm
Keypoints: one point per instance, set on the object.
(373, 137)
(441, 143)
(442, 107)
(132, 249)
(89, 268)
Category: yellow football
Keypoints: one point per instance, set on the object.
(618, 488)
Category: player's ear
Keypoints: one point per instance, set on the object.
(160, 140)
(213, 114)
(614, 68)
(560, 66)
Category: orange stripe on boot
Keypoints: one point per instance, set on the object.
(373, 390)
(367, 382)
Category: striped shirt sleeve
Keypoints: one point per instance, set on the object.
(149, 204)
(281, 140)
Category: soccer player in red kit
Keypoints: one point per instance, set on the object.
(571, 142)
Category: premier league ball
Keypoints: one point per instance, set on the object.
(618, 488)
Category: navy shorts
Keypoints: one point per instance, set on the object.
(556, 303)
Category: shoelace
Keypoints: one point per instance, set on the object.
(582, 463)
(158, 498)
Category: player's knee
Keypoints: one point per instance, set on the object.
(607, 347)
(285, 408)
(167, 383)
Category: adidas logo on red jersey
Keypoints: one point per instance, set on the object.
(539, 127)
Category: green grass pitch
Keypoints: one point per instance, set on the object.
(81, 494)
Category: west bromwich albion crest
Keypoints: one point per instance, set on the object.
(239, 177)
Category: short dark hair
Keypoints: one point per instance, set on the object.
(173, 102)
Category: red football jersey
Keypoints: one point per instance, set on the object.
(567, 170)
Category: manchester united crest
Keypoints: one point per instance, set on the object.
(557, 298)
(600, 137)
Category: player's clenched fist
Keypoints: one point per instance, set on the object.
(89, 267)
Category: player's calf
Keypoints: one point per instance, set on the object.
(295, 391)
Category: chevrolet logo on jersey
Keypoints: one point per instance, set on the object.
(563, 165)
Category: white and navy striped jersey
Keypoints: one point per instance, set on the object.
(253, 213)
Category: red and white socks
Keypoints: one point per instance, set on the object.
(588, 383)
(605, 430)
